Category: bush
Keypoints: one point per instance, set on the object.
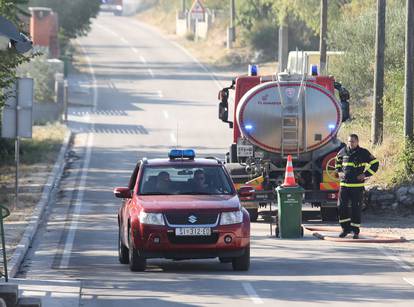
(405, 169)
(355, 35)
(263, 37)
(43, 74)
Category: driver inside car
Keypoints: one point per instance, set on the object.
(163, 183)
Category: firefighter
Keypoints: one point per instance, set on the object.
(353, 165)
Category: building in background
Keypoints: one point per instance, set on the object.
(44, 26)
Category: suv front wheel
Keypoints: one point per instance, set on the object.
(136, 262)
(242, 263)
(123, 255)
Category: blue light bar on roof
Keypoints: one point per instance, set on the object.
(181, 154)
(253, 70)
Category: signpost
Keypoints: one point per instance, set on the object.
(197, 11)
(17, 119)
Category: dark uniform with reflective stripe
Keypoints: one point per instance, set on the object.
(353, 162)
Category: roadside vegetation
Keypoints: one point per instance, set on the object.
(39, 152)
(351, 28)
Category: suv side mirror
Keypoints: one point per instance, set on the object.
(246, 192)
(122, 193)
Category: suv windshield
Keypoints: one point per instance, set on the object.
(184, 180)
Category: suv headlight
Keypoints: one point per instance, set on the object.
(234, 217)
(151, 218)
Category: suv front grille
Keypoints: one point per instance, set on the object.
(191, 218)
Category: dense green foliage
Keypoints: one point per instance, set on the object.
(357, 66)
(43, 75)
(74, 16)
(259, 21)
(9, 59)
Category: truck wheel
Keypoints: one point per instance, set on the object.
(123, 255)
(136, 262)
(329, 214)
(254, 214)
(242, 263)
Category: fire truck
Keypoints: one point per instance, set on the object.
(112, 6)
(279, 115)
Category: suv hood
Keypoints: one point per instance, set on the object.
(169, 203)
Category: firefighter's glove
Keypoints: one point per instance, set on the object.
(361, 177)
(341, 176)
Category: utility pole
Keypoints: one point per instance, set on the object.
(377, 110)
(409, 71)
(283, 45)
(233, 20)
(183, 8)
(231, 30)
(323, 35)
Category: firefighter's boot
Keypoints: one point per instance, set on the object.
(355, 230)
(344, 233)
(346, 229)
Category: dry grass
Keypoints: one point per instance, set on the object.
(212, 50)
(37, 158)
(387, 153)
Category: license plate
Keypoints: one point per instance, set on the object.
(193, 231)
(244, 150)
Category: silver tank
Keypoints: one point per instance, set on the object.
(289, 116)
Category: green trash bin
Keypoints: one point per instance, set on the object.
(289, 201)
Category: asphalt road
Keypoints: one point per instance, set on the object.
(146, 95)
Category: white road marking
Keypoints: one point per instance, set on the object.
(135, 50)
(165, 114)
(394, 258)
(67, 250)
(409, 280)
(107, 30)
(160, 94)
(143, 60)
(124, 40)
(151, 72)
(92, 73)
(173, 138)
(252, 293)
(78, 205)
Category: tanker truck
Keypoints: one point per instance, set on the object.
(279, 115)
(112, 6)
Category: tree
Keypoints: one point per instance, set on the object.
(74, 15)
(10, 59)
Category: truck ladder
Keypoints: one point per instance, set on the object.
(290, 124)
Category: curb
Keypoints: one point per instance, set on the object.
(366, 238)
(34, 220)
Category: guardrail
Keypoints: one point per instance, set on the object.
(4, 212)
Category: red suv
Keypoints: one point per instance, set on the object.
(182, 208)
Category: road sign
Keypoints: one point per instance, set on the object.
(197, 10)
(17, 112)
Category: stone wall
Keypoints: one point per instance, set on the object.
(398, 198)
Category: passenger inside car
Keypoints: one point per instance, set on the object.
(163, 184)
(199, 182)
